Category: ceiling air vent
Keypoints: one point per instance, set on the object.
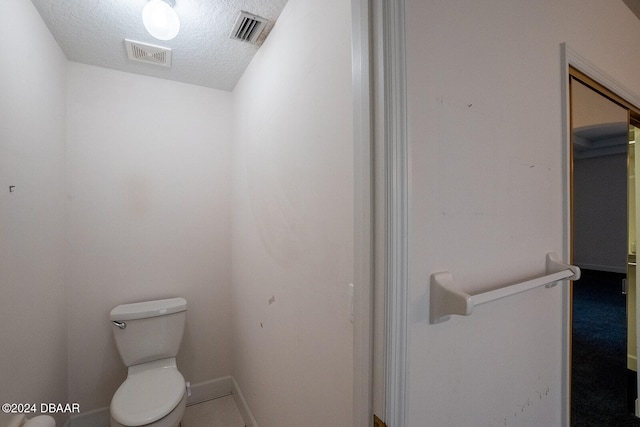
(248, 27)
(148, 53)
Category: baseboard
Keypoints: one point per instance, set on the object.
(200, 392)
(241, 403)
(606, 268)
(632, 362)
(211, 389)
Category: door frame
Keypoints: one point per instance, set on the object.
(381, 211)
(391, 211)
(362, 309)
(571, 58)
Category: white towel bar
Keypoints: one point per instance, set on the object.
(447, 299)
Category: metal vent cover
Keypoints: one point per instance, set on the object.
(248, 27)
(151, 54)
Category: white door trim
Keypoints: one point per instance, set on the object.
(363, 215)
(381, 212)
(395, 180)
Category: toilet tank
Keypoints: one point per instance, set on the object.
(149, 330)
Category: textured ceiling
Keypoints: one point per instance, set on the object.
(93, 32)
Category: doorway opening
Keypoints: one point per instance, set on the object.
(603, 235)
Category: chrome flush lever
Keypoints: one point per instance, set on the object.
(120, 325)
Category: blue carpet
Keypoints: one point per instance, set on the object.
(599, 374)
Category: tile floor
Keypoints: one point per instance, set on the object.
(221, 412)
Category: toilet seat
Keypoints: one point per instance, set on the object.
(148, 394)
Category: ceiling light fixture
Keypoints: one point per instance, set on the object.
(160, 20)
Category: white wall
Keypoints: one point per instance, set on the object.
(292, 220)
(149, 201)
(600, 239)
(33, 360)
(486, 195)
(600, 223)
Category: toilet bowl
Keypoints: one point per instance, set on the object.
(154, 394)
(148, 336)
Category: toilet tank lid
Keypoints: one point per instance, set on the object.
(143, 310)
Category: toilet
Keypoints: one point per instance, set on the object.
(20, 420)
(148, 336)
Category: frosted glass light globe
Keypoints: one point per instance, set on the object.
(160, 20)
